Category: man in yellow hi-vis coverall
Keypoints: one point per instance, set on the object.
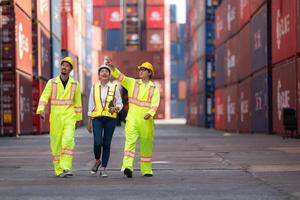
(64, 95)
(143, 99)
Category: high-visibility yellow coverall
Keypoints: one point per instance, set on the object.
(65, 111)
(142, 99)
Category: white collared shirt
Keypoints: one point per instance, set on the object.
(104, 92)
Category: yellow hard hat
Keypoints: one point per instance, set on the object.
(68, 60)
(148, 66)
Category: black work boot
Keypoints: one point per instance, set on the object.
(95, 168)
(128, 173)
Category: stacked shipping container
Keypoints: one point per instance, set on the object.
(200, 62)
(177, 67)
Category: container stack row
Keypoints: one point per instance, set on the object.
(178, 83)
(35, 35)
(199, 62)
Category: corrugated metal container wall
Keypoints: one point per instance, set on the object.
(298, 93)
(68, 33)
(155, 17)
(202, 75)
(89, 11)
(174, 70)
(113, 18)
(44, 55)
(173, 32)
(283, 29)
(221, 27)
(181, 90)
(201, 110)
(255, 4)
(244, 95)
(155, 40)
(113, 2)
(174, 51)
(160, 84)
(56, 18)
(24, 103)
(232, 60)
(99, 2)
(181, 108)
(232, 16)
(114, 40)
(155, 2)
(210, 35)
(243, 12)
(56, 55)
(8, 112)
(259, 41)
(174, 90)
(232, 108)
(43, 12)
(67, 6)
(23, 42)
(244, 53)
(173, 13)
(220, 66)
(284, 91)
(194, 73)
(193, 110)
(160, 113)
(26, 6)
(201, 40)
(220, 109)
(99, 16)
(259, 102)
(201, 7)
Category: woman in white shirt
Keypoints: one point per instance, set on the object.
(104, 104)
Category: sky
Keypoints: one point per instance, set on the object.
(181, 6)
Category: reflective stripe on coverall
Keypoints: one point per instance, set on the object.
(142, 99)
(102, 110)
(65, 110)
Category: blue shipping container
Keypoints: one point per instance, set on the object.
(201, 111)
(56, 18)
(181, 70)
(174, 108)
(259, 99)
(174, 51)
(173, 13)
(55, 56)
(89, 35)
(114, 40)
(174, 90)
(174, 70)
(220, 66)
(258, 38)
(181, 108)
(210, 35)
(89, 10)
(181, 32)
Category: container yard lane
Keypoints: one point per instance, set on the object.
(188, 162)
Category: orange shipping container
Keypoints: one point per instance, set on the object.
(25, 5)
(23, 42)
(43, 12)
(181, 90)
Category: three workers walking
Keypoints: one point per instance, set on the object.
(64, 96)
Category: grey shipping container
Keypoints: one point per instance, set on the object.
(260, 92)
(260, 47)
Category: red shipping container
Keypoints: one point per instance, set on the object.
(133, 48)
(244, 53)
(232, 60)
(67, 6)
(43, 12)
(244, 104)
(113, 2)
(173, 32)
(220, 110)
(155, 17)
(232, 109)
(113, 18)
(24, 103)
(232, 16)
(243, 12)
(195, 78)
(23, 42)
(155, 2)
(155, 40)
(160, 113)
(284, 91)
(68, 33)
(160, 84)
(193, 110)
(98, 3)
(255, 5)
(193, 18)
(25, 5)
(99, 16)
(39, 125)
(298, 93)
(221, 32)
(194, 48)
(44, 53)
(283, 30)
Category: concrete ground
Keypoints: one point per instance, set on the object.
(189, 163)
